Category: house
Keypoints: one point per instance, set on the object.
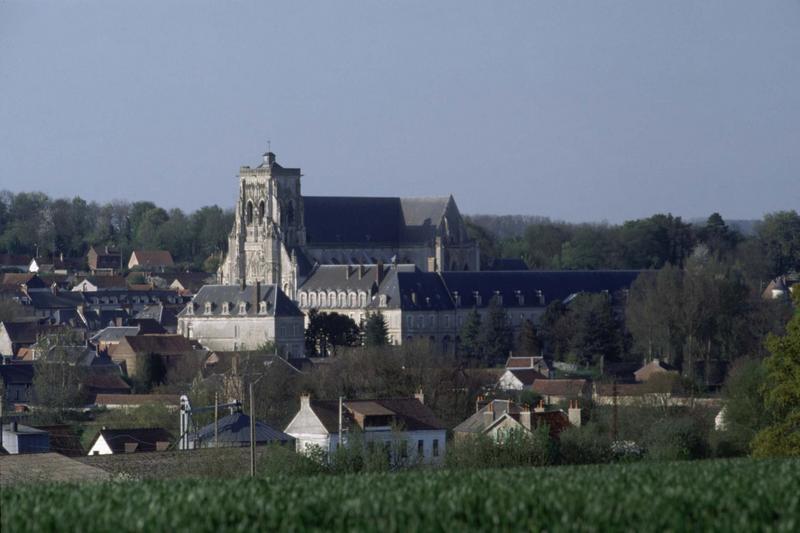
(538, 363)
(103, 260)
(133, 401)
(653, 368)
(165, 314)
(22, 281)
(18, 438)
(519, 379)
(562, 390)
(191, 282)
(151, 260)
(14, 262)
(244, 317)
(130, 440)
(17, 383)
(96, 283)
(18, 334)
(233, 431)
(497, 418)
(111, 336)
(169, 348)
(95, 383)
(406, 423)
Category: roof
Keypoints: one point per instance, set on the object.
(526, 375)
(145, 439)
(49, 299)
(166, 315)
(18, 373)
(158, 344)
(147, 326)
(63, 440)
(526, 362)
(31, 280)
(192, 281)
(277, 303)
(106, 282)
(234, 429)
(480, 421)
(655, 366)
(508, 263)
(223, 361)
(343, 220)
(343, 277)
(152, 258)
(51, 467)
(14, 260)
(572, 388)
(114, 333)
(137, 399)
(24, 331)
(409, 413)
(106, 381)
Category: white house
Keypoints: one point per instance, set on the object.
(519, 379)
(405, 425)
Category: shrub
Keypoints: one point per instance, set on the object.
(676, 438)
(584, 445)
(279, 460)
(517, 448)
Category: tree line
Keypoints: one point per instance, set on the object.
(31, 223)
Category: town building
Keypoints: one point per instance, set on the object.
(497, 419)
(237, 317)
(150, 260)
(406, 425)
(130, 440)
(279, 234)
(233, 431)
(171, 349)
(103, 260)
(19, 438)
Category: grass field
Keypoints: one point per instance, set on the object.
(721, 495)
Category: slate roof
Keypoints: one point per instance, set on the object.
(48, 299)
(555, 285)
(144, 438)
(371, 221)
(335, 277)
(411, 289)
(192, 281)
(234, 430)
(278, 304)
(489, 414)
(107, 382)
(655, 366)
(31, 280)
(409, 413)
(166, 315)
(114, 333)
(14, 260)
(106, 282)
(526, 375)
(26, 331)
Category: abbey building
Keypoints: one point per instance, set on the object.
(279, 235)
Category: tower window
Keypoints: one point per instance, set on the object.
(261, 212)
(249, 212)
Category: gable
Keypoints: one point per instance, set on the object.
(306, 422)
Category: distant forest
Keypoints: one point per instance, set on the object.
(32, 223)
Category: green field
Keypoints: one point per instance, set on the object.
(721, 495)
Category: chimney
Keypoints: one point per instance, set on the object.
(420, 396)
(305, 401)
(525, 417)
(539, 407)
(574, 413)
(379, 272)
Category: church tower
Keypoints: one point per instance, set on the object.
(268, 226)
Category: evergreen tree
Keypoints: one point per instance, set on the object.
(470, 346)
(376, 332)
(528, 343)
(497, 338)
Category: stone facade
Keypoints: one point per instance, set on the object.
(278, 234)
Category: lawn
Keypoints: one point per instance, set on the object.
(721, 495)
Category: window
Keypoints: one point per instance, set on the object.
(446, 321)
(323, 300)
(520, 298)
(262, 308)
(498, 298)
(313, 302)
(382, 301)
(190, 308)
(353, 302)
(457, 297)
(362, 299)
(303, 299)
(208, 308)
(420, 448)
(432, 321)
(243, 308)
(436, 447)
(249, 213)
(477, 296)
(342, 299)
(225, 308)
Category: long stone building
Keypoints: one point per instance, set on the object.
(279, 235)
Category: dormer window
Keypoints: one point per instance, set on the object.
(498, 298)
(457, 298)
(242, 308)
(540, 296)
(382, 300)
(477, 297)
(208, 308)
(190, 308)
(520, 298)
(226, 308)
(262, 308)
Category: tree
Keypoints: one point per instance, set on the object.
(327, 331)
(782, 393)
(57, 374)
(376, 332)
(779, 234)
(471, 345)
(718, 237)
(496, 337)
(528, 343)
(744, 412)
(555, 330)
(597, 334)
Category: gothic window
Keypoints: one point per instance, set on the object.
(249, 213)
(190, 308)
(261, 212)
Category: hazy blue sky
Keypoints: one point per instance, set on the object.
(574, 110)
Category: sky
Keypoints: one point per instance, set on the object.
(578, 111)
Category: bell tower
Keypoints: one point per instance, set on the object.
(268, 224)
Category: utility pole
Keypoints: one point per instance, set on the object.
(216, 420)
(340, 423)
(252, 434)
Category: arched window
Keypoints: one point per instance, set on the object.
(261, 209)
(323, 300)
(353, 302)
(249, 212)
(362, 299)
(303, 299)
(313, 299)
(342, 299)
(332, 298)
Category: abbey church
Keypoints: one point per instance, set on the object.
(279, 236)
